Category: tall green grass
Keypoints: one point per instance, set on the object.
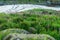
(40, 24)
(47, 22)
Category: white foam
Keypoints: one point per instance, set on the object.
(23, 7)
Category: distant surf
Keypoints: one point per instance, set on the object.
(23, 7)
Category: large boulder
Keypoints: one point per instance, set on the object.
(4, 33)
(15, 31)
(28, 37)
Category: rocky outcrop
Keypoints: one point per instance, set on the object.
(6, 32)
(28, 37)
(20, 31)
(20, 34)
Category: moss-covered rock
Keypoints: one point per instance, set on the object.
(11, 31)
(28, 37)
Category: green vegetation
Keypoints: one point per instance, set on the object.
(41, 11)
(46, 22)
(30, 1)
(22, 1)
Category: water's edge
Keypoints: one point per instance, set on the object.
(23, 7)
